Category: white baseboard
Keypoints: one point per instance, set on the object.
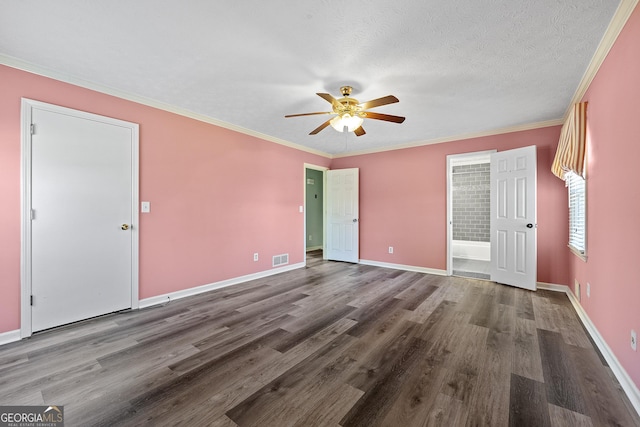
(553, 287)
(627, 384)
(404, 267)
(11, 336)
(314, 248)
(163, 299)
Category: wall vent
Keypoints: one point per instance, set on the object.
(280, 260)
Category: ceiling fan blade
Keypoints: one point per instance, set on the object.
(385, 117)
(319, 128)
(307, 114)
(327, 97)
(390, 99)
(360, 131)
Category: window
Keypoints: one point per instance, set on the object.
(577, 214)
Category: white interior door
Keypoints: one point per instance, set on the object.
(342, 215)
(513, 217)
(84, 215)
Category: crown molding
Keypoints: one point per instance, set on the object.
(510, 129)
(620, 18)
(618, 21)
(19, 64)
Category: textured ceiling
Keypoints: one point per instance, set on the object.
(458, 67)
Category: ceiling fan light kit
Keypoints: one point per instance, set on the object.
(347, 121)
(350, 113)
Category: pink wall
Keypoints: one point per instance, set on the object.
(613, 199)
(403, 196)
(217, 196)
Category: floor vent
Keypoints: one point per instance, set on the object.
(280, 260)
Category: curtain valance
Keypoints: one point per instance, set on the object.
(572, 144)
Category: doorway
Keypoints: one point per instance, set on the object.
(314, 202)
(512, 257)
(314, 219)
(339, 212)
(468, 211)
(79, 216)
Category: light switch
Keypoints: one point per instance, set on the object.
(146, 207)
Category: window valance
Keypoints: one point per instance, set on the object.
(572, 144)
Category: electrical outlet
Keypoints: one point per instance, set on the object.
(577, 287)
(255, 256)
(634, 340)
(588, 290)
(390, 249)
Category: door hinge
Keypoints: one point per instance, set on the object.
(31, 299)
(33, 128)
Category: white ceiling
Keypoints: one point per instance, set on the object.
(459, 67)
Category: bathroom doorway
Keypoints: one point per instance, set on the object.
(468, 215)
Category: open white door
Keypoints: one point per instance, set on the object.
(513, 217)
(342, 215)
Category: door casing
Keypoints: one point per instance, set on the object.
(324, 210)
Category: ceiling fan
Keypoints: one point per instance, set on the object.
(350, 113)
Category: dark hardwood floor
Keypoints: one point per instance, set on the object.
(331, 344)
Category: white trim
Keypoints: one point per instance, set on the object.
(619, 20)
(473, 158)
(629, 387)
(29, 67)
(627, 384)
(25, 223)
(577, 253)
(553, 287)
(9, 337)
(426, 270)
(27, 106)
(313, 248)
(453, 138)
(19, 64)
(165, 298)
(135, 215)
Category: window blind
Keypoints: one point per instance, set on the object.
(577, 212)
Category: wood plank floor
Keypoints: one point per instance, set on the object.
(327, 345)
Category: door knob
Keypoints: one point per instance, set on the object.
(124, 226)
(529, 225)
(355, 220)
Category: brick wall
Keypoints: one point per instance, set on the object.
(471, 204)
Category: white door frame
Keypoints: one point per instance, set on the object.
(456, 160)
(324, 210)
(25, 203)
